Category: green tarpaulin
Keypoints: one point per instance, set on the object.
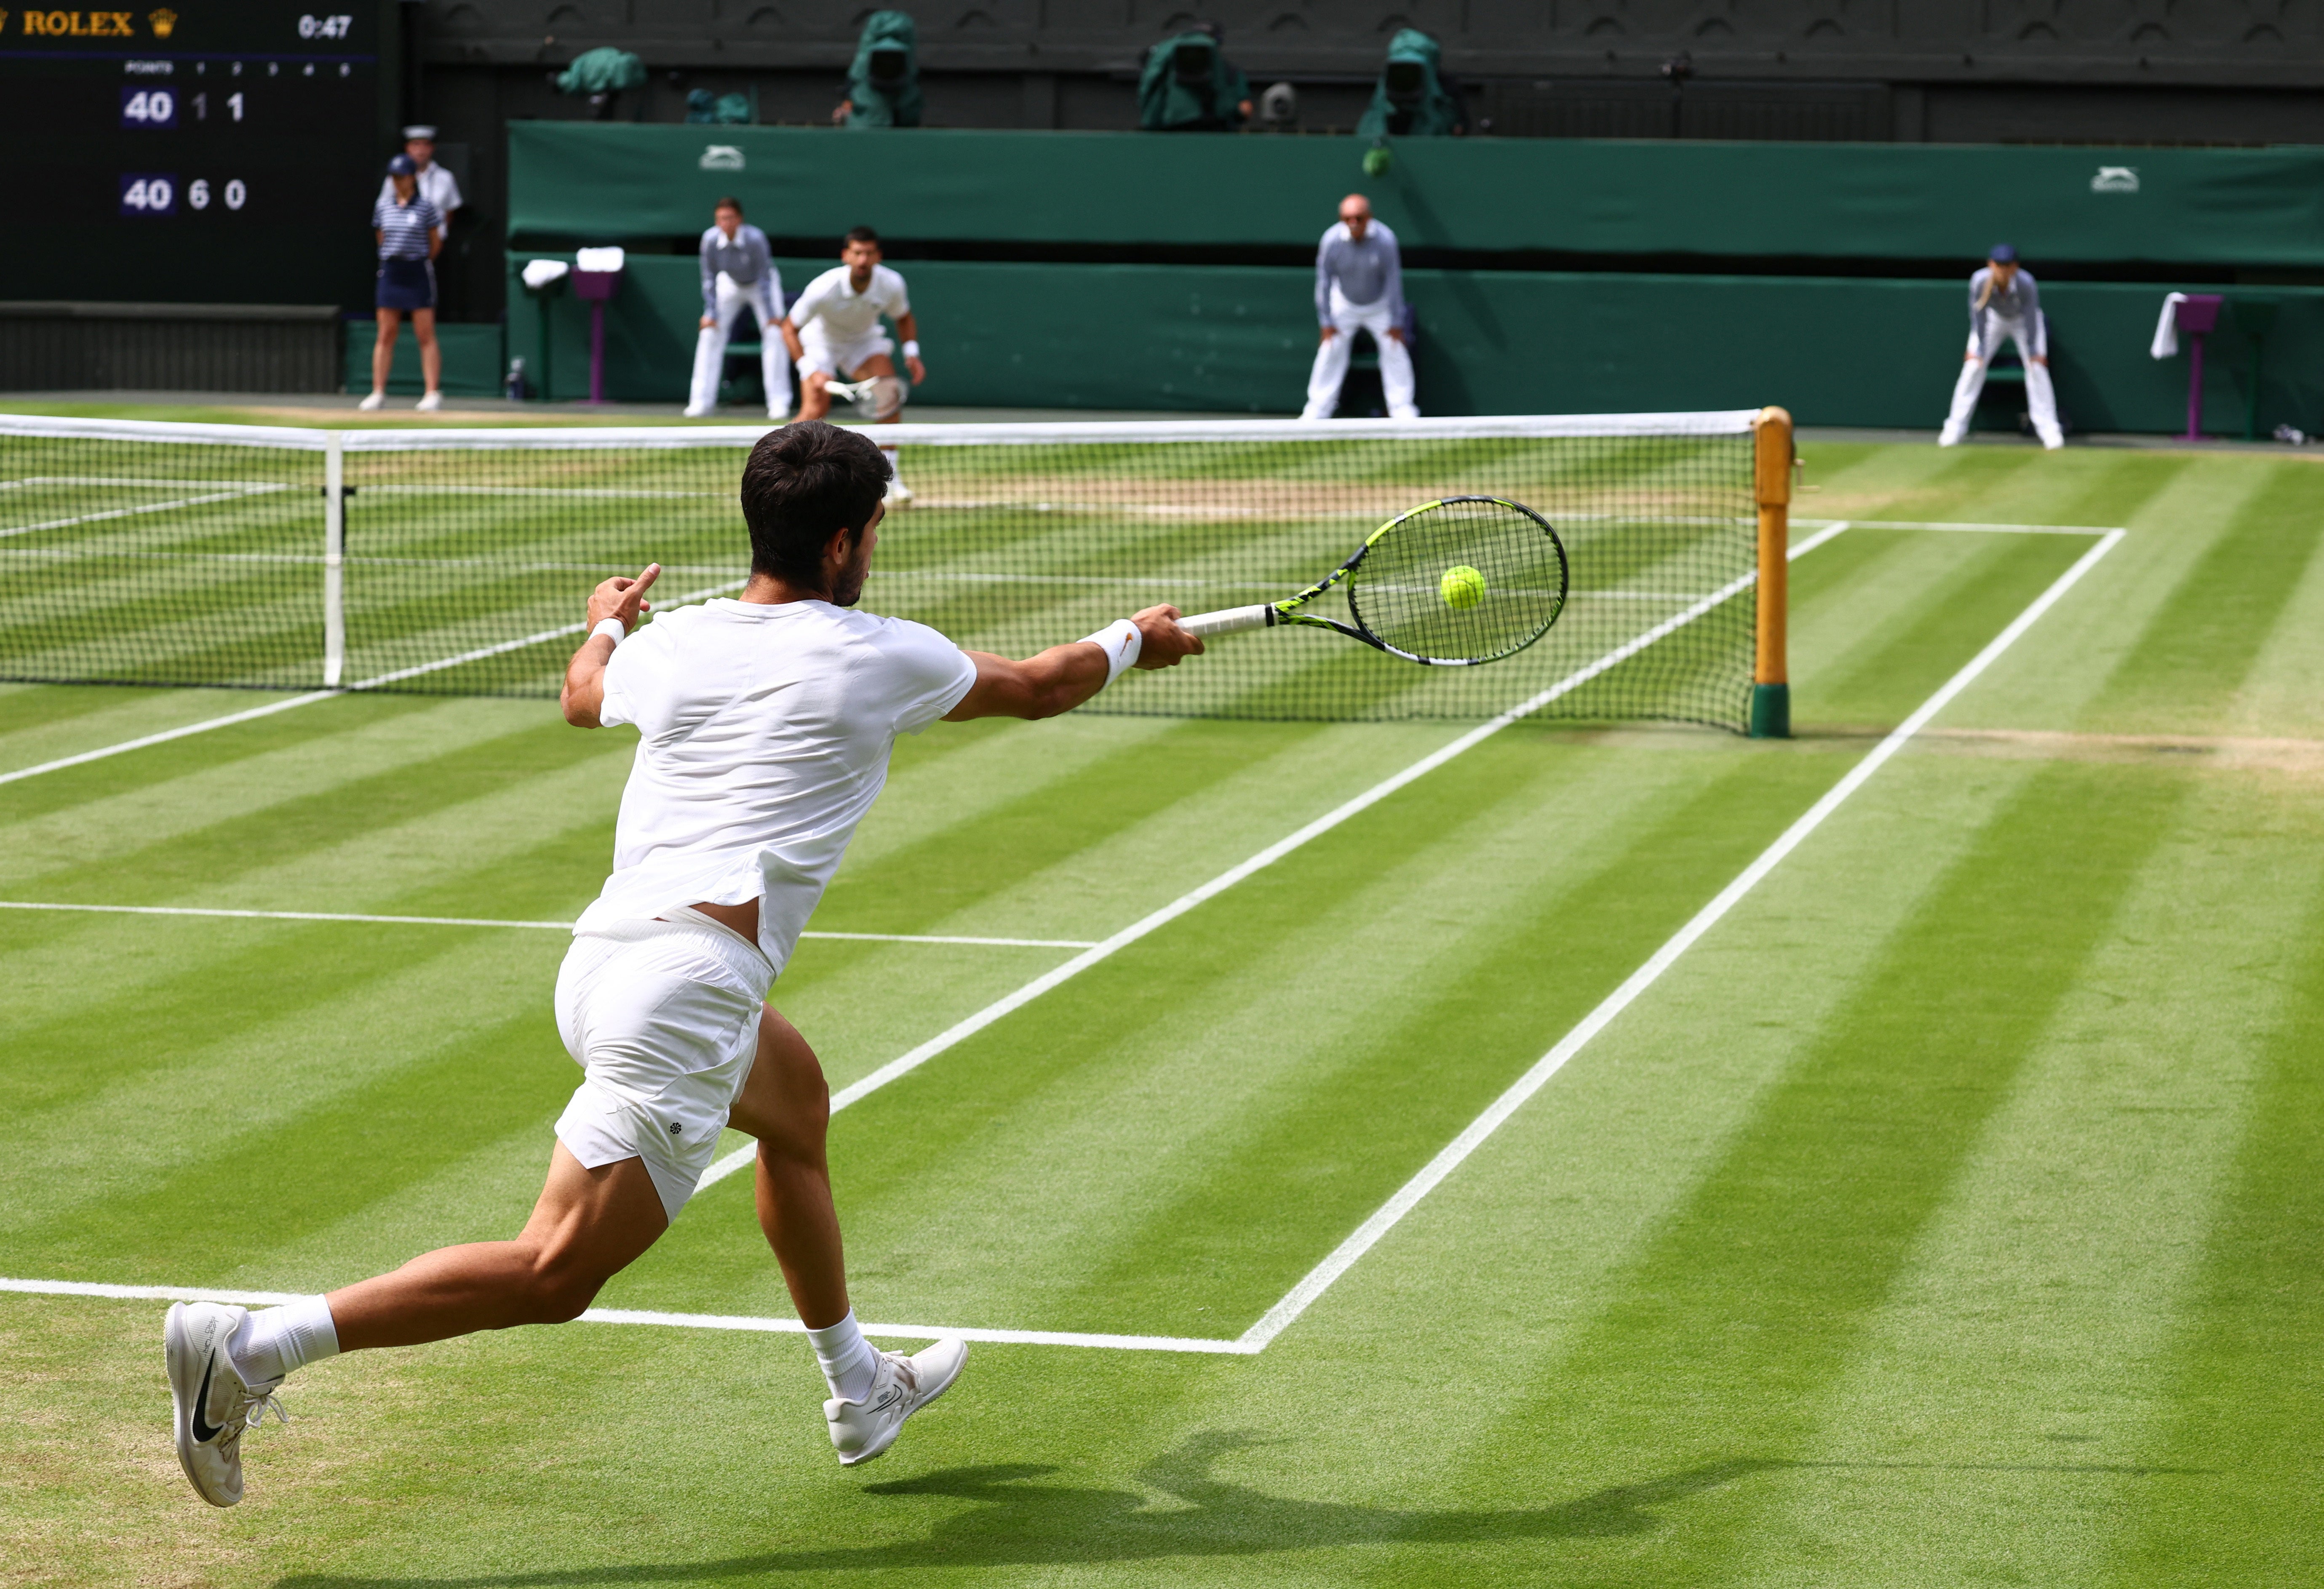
(2247, 208)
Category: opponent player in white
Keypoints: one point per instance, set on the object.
(765, 726)
(1358, 286)
(2005, 303)
(834, 329)
(738, 268)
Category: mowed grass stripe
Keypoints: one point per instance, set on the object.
(361, 1006)
(1759, 1292)
(296, 785)
(342, 1149)
(2025, 1331)
(2190, 665)
(2244, 1378)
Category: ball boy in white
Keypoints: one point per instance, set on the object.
(765, 725)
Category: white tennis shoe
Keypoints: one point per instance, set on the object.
(898, 495)
(213, 1406)
(371, 404)
(900, 1386)
(431, 403)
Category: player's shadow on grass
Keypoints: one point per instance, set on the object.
(1019, 1522)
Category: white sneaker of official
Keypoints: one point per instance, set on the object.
(213, 1404)
(900, 1386)
(430, 403)
(370, 404)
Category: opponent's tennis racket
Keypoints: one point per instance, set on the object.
(1451, 583)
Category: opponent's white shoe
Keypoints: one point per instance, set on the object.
(900, 1386)
(370, 404)
(431, 403)
(213, 1407)
(697, 414)
(898, 495)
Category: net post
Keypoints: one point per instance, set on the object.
(335, 553)
(1771, 688)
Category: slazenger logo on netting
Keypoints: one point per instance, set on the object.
(722, 157)
(2116, 178)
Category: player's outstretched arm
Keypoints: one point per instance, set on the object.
(1065, 676)
(619, 600)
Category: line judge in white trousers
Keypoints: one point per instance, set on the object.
(738, 269)
(2004, 304)
(1358, 286)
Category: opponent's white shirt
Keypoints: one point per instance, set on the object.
(847, 315)
(766, 735)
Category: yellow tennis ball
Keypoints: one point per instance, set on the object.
(1462, 587)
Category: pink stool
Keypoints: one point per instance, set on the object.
(2197, 317)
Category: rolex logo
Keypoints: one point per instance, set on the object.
(165, 21)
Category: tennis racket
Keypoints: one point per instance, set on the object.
(1450, 584)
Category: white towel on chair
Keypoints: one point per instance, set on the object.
(2166, 329)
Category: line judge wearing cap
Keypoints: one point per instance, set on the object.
(436, 184)
(2005, 303)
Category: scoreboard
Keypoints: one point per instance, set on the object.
(204, 151)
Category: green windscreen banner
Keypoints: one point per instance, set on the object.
(2246, 207)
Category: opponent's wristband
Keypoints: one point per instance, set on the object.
(912, 348)
(613, 628)
(1121, 641)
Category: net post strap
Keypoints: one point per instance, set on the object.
(1773, 458)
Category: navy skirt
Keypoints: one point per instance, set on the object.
(406, 284)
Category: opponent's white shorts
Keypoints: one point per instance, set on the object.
(663, 1019)
(841, 359)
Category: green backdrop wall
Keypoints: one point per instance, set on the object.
(2243, 208)
(1836, 351)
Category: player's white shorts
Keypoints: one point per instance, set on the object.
(841, 359)
(663, 1019)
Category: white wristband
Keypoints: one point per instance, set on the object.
(1121, 641)
(912, 348)
(613, 628)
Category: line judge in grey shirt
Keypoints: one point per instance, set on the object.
(1358, 285)
(738, 269)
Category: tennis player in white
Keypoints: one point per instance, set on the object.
(833, 331)
(765, 726)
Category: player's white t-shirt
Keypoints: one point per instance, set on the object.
(845, 315)
(766, 732)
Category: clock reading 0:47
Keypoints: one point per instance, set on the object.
(151, 195)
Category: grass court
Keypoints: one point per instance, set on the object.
(1949, 1212)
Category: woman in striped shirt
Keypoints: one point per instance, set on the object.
(410, 232)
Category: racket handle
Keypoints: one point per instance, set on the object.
(1227, 622)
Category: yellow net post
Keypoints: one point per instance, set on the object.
(1771, 688)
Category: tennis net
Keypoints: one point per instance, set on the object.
(456, 561)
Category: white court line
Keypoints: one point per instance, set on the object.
(953, 1035)
(1342, 1258)
(324, 694)
(1978, 529)
(159, 507)
(690, 1321)
(868, 937)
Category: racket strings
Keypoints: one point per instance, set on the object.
(1463, 581)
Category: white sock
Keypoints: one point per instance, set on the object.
(272, 1341)
(847, 1358)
